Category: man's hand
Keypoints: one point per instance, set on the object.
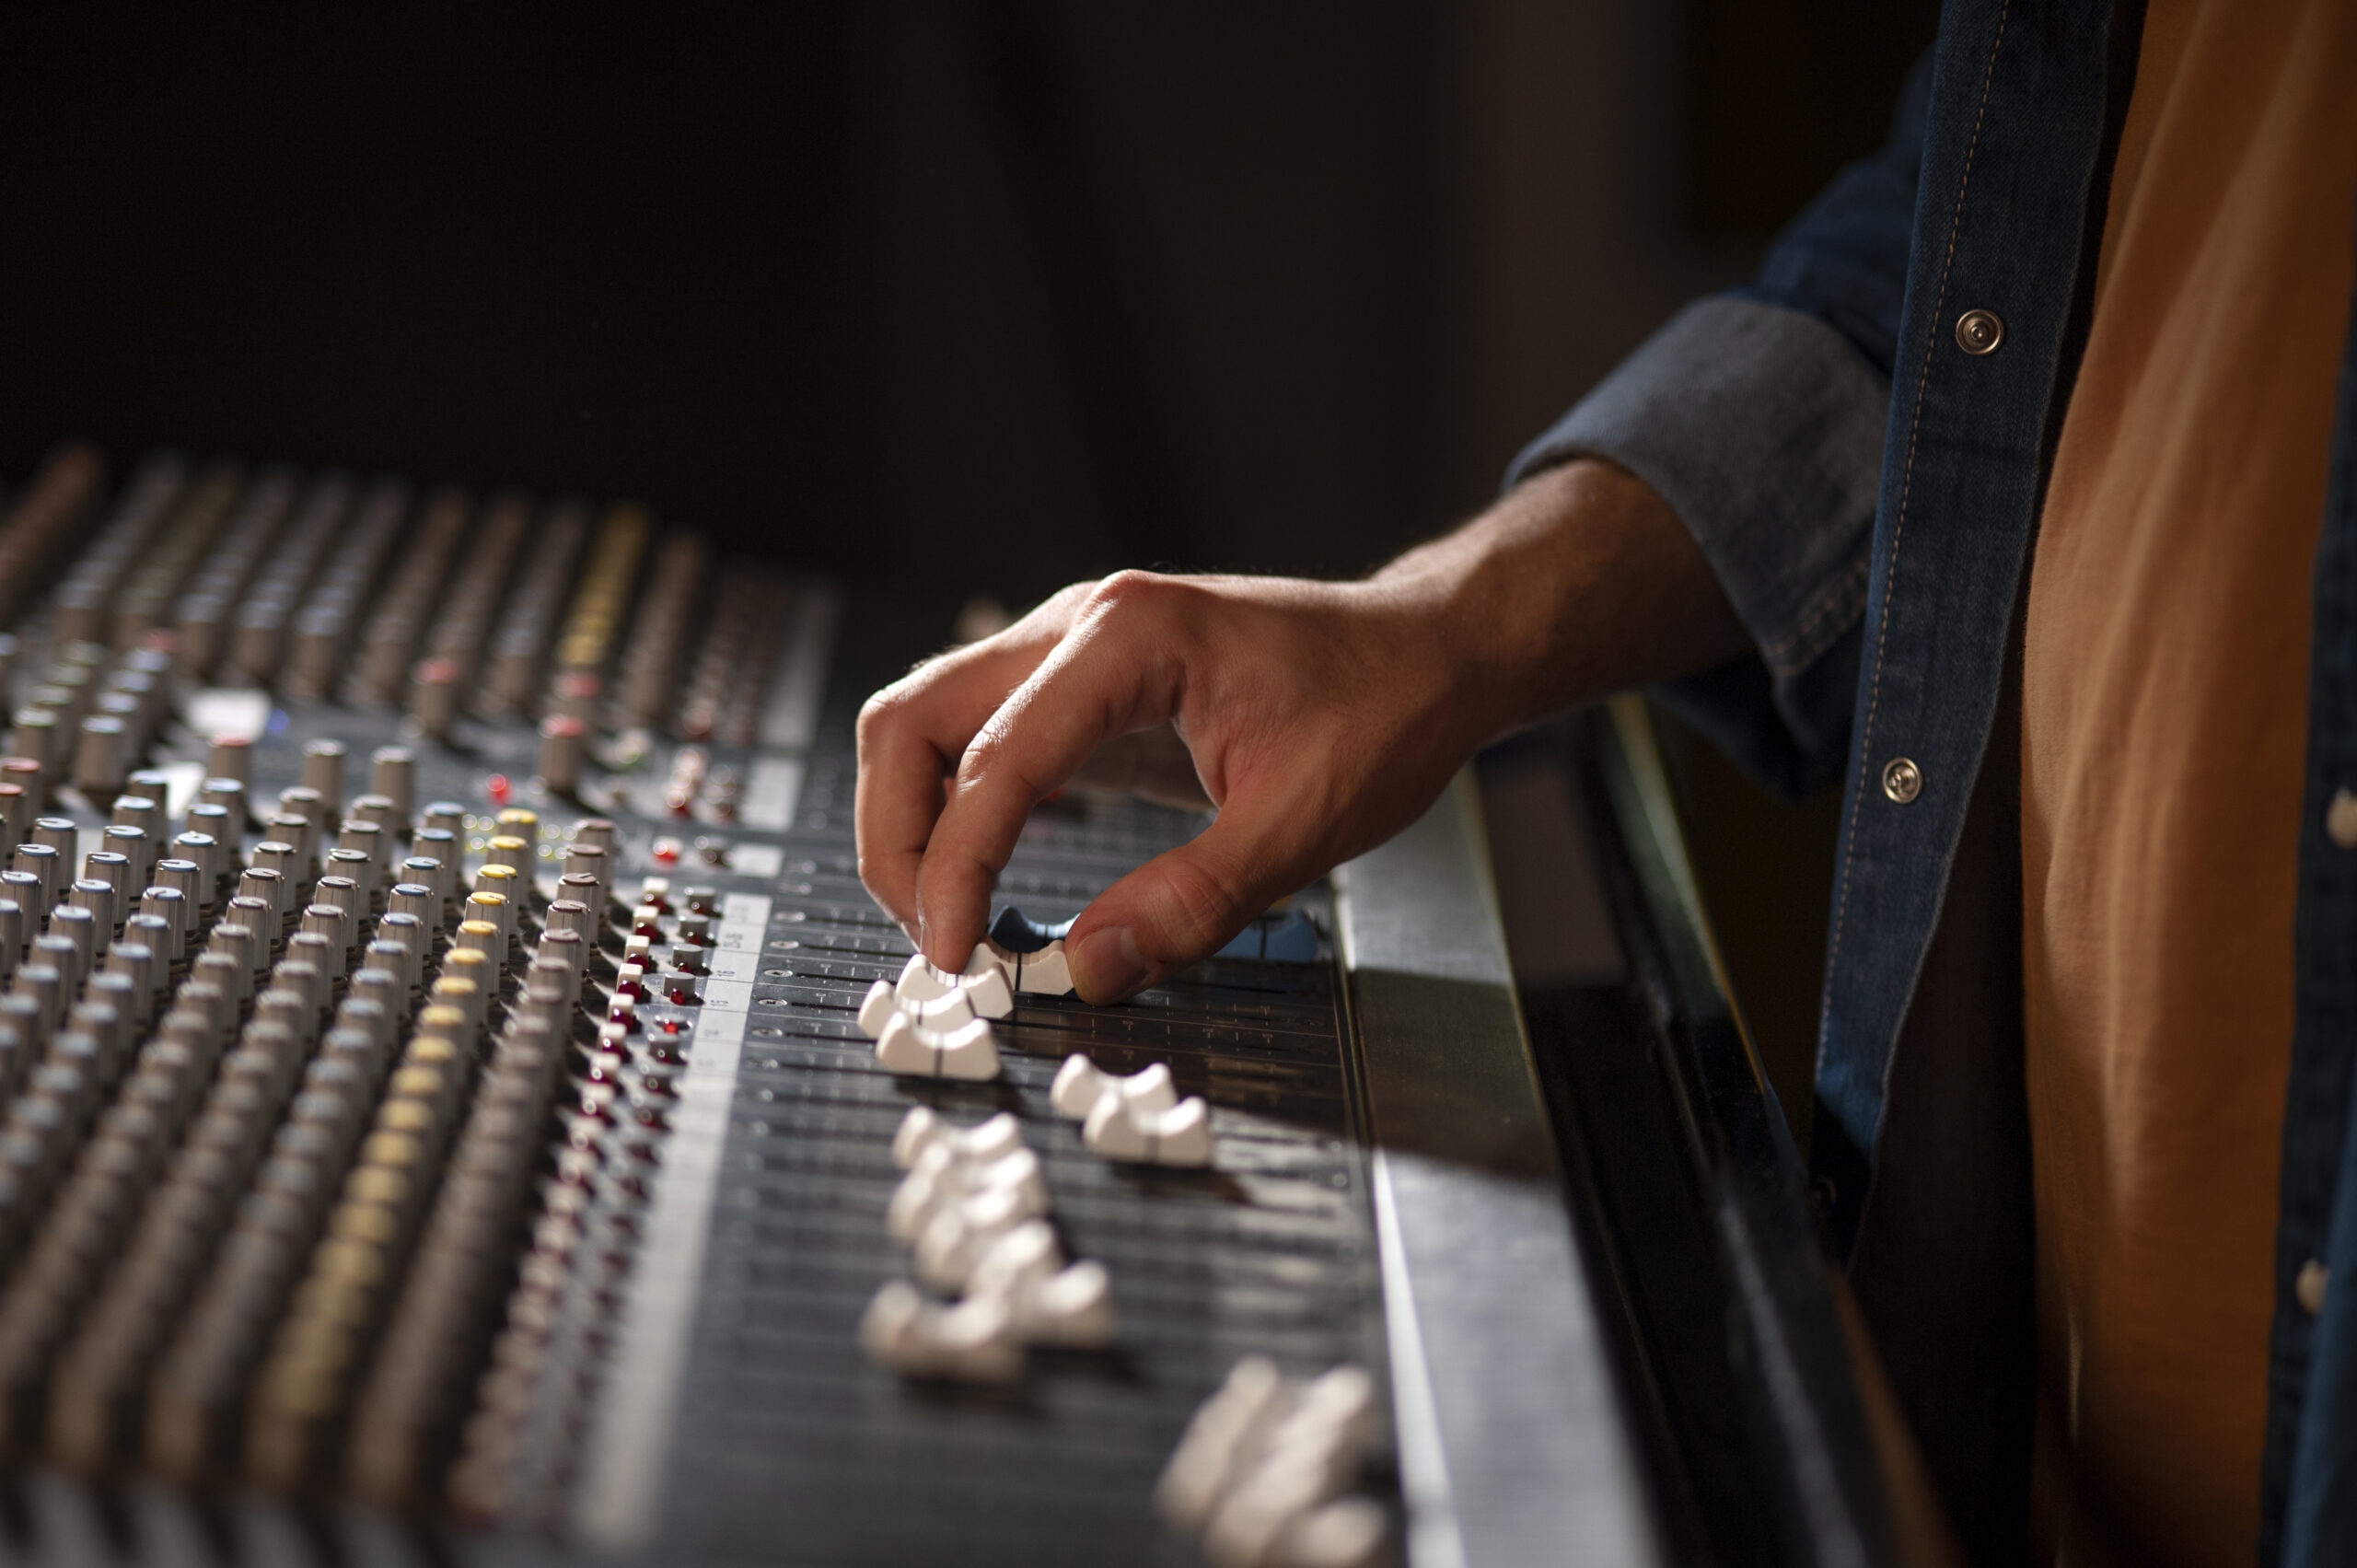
(1319, 718)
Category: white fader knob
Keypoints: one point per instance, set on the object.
(1298, 1465)
(984, 983)
(968, 1053)
(942, 1014)
(986, 986)
(920, 981)
(922, 1128)
(1222, 1428)
(877, 1008)
(1080, 1083)
(954, 1240)
(975, 1342)
(1053, 1303)
(1179, 1136)
(1044, 973)
(941, 1180)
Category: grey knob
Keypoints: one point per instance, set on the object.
(235, 941)
(170, 906)
(261, 882)
(567, 948)
(407, 927)
(323, 770)
(434, 697)
(26, 774)
(136, 961)
(331, 925)
(111, 867)
(137, 851)
(77, 928)
(564, 745)
(341, 891)
(367, 839)
(296, 833)
(39, 981)
(224, 830)
(392, 772)
(15, 812)
(230, 757)
(416, 899)
(140, 811)
(380, 989)
(99, 760)
(441, 846)
(42, 862)
(572, 915)
(447, 816)
(582, 888)
(183, 874)
(376, 810)
(589, 860)
(97, 897)
(361, 867)
(227, 794)
(203, 852)
(277, 855)
(226, 971)
(254, 914)
(321, 953)
(33, 734)
(387, 954)
(303, 973)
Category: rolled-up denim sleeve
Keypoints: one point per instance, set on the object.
(1759, 416)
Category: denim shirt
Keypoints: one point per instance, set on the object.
(1866, 487)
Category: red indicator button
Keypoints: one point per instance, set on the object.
(498, 788)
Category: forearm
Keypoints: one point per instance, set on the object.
(1579, 582)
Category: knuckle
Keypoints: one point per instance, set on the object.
(1130, 591)
(876, 712)
(1204, 906)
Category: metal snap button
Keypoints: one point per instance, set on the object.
(1980, 331)
(1902, 780)
(2341, 820)
(2309, 1286)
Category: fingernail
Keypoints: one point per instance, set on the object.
(1107, 966)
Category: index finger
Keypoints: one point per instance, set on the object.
(910, 734)
(1108, 677)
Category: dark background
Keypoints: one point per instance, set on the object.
(1004, 294)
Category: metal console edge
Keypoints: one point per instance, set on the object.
(1513, 1445)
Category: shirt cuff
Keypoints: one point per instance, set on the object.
(1762, 428)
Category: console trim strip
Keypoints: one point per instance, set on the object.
(1513, 1444)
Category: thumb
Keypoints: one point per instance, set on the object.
(1182, 905)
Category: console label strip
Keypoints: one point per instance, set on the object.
(621, 1486)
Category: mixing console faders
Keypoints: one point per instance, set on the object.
(455, 1097)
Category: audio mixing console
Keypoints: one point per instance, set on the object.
(436, 1105)
(458, 1105)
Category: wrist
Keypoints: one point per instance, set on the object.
(1578, 584)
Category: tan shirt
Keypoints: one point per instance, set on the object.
(2163, 716)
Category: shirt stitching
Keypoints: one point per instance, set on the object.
(1898, 523)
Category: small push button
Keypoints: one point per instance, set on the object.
(1902, 780)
